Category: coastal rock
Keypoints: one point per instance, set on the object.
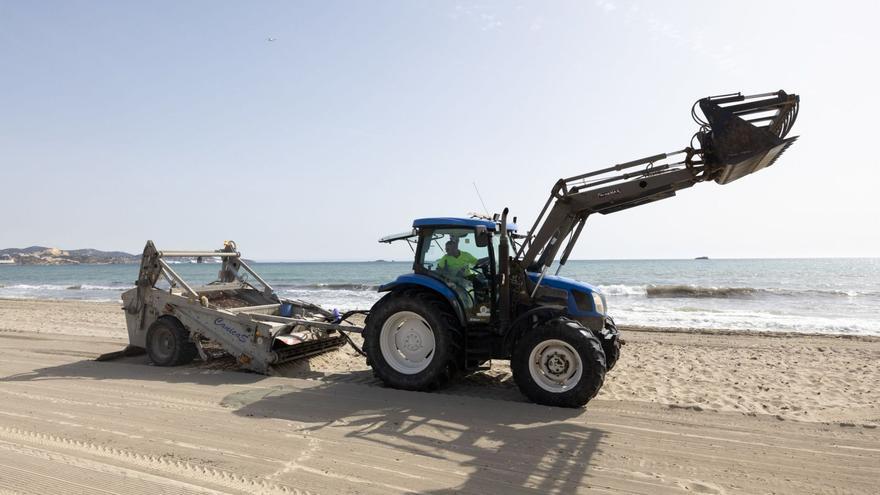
(41, 255)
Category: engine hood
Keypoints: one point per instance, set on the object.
(563, 283)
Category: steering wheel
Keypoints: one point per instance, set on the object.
(480, 271)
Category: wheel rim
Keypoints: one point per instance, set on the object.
(407, 342)
(163, 343)
(555, 366)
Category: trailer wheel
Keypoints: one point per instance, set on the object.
(559, 363)
(168, 343)
(412, 340)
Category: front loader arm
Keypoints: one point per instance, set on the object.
(571, 208)
(738, 135)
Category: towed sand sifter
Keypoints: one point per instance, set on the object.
(251, 323)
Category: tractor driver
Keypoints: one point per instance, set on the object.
(456, 263)
(457, 267)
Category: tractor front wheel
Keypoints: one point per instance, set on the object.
(559, 363)
(412, 341)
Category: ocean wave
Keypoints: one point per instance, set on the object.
(99, 287)
(341, 299)
(33, 297)
(744, 320)
(35, 287)
(693, 309)
(324, 286)
(623, 290)
(54, 287)
(695, 291)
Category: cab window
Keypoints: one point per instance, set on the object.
(452, 255)
(452, 251)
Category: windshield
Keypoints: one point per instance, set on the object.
(452, 250)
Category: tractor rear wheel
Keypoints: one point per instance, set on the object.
(559, 363)
(412, 341)
(168, 343)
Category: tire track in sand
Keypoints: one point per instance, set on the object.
(157, 464)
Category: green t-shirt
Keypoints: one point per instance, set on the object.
(457, 265)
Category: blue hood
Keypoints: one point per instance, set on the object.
(563, 283)
(573, 288)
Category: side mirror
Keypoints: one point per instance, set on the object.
(482, 236)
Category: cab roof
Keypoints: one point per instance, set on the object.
(460, 222)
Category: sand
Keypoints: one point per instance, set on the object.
(682, 412)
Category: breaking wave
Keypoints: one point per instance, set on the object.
(35, 287)
(694, 291)
(52, 287)
(322, 286)
(97, 287)
(623, 290)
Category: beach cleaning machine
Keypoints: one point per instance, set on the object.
(479, 290)
(240, 312)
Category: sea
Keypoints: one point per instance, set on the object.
(830, 296)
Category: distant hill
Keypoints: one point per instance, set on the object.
(41, 255)
(27, 250)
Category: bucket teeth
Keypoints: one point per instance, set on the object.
(732, 172)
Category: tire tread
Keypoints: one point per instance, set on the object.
(185, 351)
(437, 376)
(584, 341)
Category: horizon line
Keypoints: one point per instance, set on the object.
(590, 259)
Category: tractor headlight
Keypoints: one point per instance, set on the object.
(598, 303)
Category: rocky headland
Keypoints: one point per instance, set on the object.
(41, 255)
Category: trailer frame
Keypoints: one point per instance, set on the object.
(248, 320)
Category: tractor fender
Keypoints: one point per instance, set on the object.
(431, 284)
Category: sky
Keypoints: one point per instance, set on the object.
(181, 122)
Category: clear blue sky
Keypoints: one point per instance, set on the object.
(180, 122)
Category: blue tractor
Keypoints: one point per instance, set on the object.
(480, 290)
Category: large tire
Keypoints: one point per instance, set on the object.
(413, 340)
(559, 363)
(610, 338)
(169, 344)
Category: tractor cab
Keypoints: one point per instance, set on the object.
(457, 257)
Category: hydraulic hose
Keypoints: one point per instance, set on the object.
(345, 317)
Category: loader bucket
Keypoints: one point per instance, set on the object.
(743, 134)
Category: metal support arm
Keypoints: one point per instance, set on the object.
(739, 135)
(569, 212)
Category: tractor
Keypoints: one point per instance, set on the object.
(480, 289)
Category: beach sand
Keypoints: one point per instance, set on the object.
(682, 412)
